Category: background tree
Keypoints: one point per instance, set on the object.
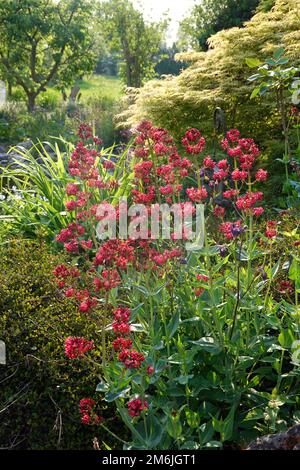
(168, 65)
(219, 77)
(211, 16)
(137, 42)
(43, 41)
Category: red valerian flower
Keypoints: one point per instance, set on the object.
(150, 370)
(193, 142)
(71, 205)
(219, 211)
(85, 131)
(72, 189)
(136, 406)
(122, 343)
(209, 163)
(132, 359)
(202, 277)
(86, 405)
(223, 164)
(271, 231)
(121, 328)
(248, 200)
(285, 287)
(261, 175)
(77, 346)
(70, 292)
(257, 211)
(196, 195)
(239, 175)
(122, 314)
(88, 415)
(110, 279)
(199, 291)
(230, 193)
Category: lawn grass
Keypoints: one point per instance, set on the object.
(100, 85)
(92, 87)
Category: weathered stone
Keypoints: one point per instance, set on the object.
(289, 440)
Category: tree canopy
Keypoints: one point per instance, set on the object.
(219, 77)
(43, 41)
(136, 41)
(211, 16)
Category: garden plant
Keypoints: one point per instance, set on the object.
(199, 350)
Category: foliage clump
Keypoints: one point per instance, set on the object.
(41, 391)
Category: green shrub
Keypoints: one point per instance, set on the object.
(40, 387)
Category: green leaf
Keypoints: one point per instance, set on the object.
(254, 93)
(252, 62)
(208, 344)
(228, 425)
(102, 387)
(278, 53)
(174, 428)
(193, 418)
(294, 272)
(113, 395)
(286, 338)
(254, 77)
(172, 327)
(183, 379)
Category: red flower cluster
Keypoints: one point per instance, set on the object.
(88, 415)
(271, 231)
(202, 278)
(85, 132)
(136, 406)
(71, 238)
(231, 230)
(131, 358)
(77, 346)
(248, 200)
(285, 287)
(161, 167)
(116, 253)
(196, 195)
(193, 142)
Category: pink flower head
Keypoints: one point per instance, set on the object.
(193, 142)
(119, 344)
(72, 189)
(77, 346)
(239, 175)
(196, 195)
(131, 359)
(136, 406)
(219, 211)
(257, 211)
(122, 314)
(85, 131)
(261, 175)
(209, 163)
(86, 405)
(150, 370)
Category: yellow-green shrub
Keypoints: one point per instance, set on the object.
(40, 387)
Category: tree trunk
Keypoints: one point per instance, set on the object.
(31, 97)
(9, 89)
